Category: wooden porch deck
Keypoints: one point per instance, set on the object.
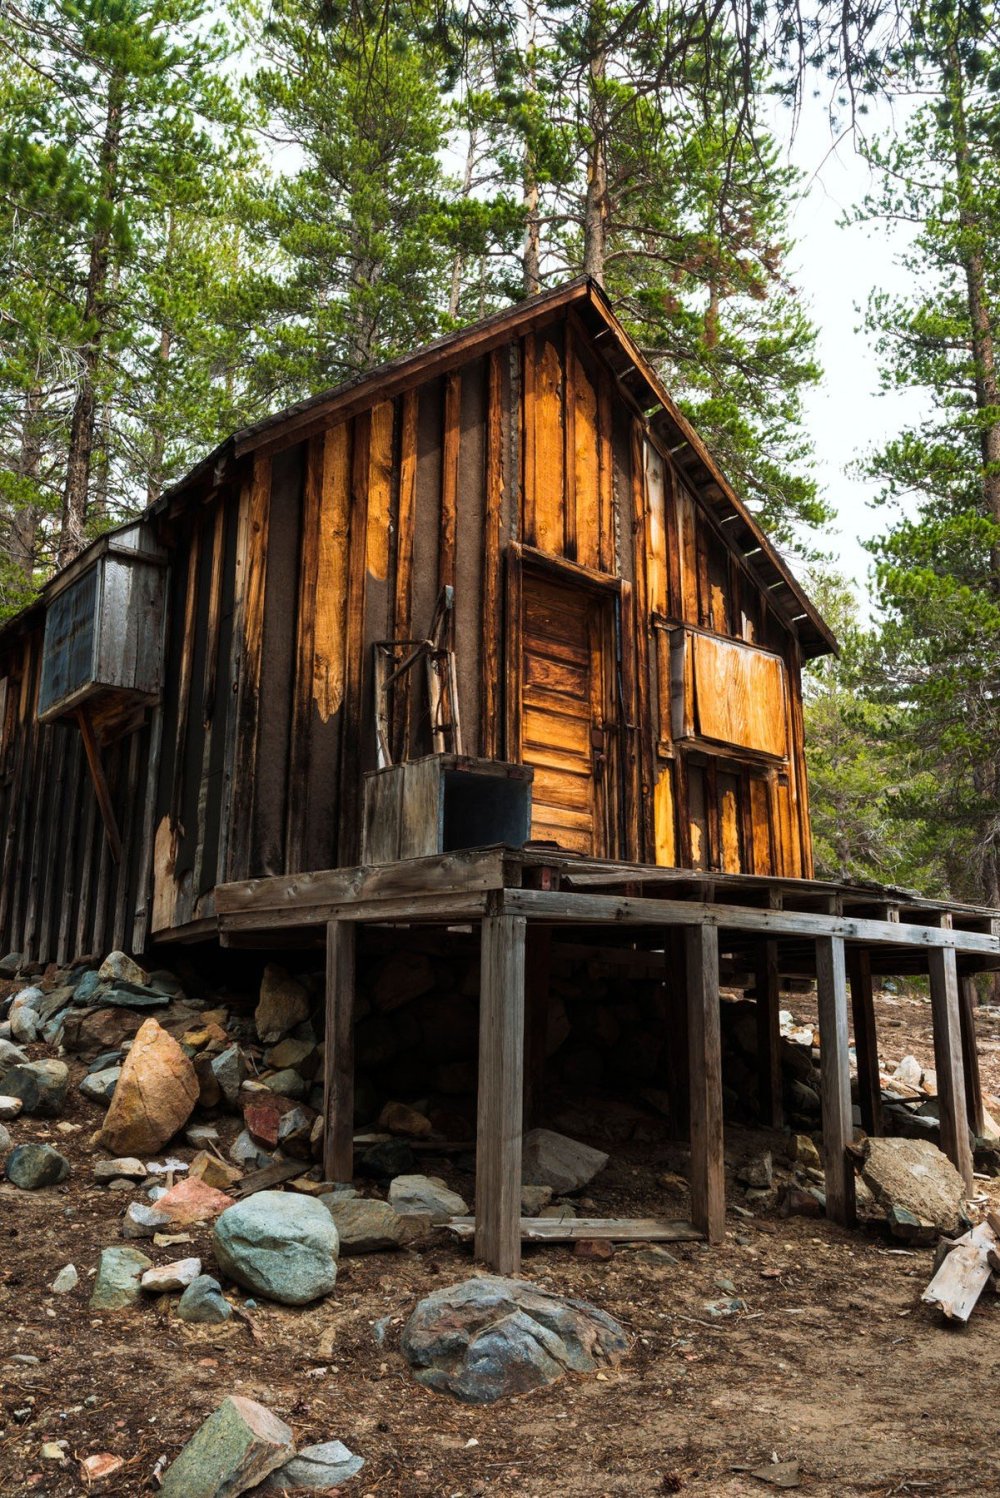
(708, 926)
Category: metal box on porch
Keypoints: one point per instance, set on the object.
(444, 802)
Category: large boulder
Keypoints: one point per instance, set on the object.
(280, 1246)
(915, 1185)
(551, 1159)
(41, 1086)
(484, 1339)
(236, 1448)
(284, 1003)
(155, 1095)
(31, 1166)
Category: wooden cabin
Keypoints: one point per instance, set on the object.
(509, 546)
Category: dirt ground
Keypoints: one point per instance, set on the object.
(834, 1363)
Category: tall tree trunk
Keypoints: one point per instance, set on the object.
(973, 252)
(529, 200)
(22, 536)
(95, 312)
(458, 263)
(158, 443)
(595, 212)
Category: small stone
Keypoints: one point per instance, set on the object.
(802, 1149)
(198, 1135)
(656, 1257)
(203, 1301)
(99, 1086)
(278, 1245)
(32, 1166)
(316, 1469)
(10, 965)
(291, 1053)
(10, 1107)
(118, 1275)
(388, 1158)
(213, 1171)
(909, 1071)
(101, 1465)
(86, 989)
(229, 1071)
(799, 1203)
(287, 1084)
(236, 1448)
(397, 1118)
(142, 1221)
(192, 1201)
(66, 1280)
(165, 1278)
(24, 1025)
(263, 1118)
(246, 1152)
(757, 1171)
(41, 1086)
(533, 1199)
(426, 1196)
(209, 1091)
(123, 1169)
(551, 1159)
(366, 1226)
(53, 1451)
(133, 996)
(118, 968)
(283, 1004)
(559, 1210)
(593, 1248)
(6, 1141)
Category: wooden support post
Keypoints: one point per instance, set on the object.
(943, 970)
(677, 1061)
(859, 967)
(835, 1083)
(970, 1054)
(501, 1091)
(768, 1003)
(100, 780)
(338, 1073)
(538, 947)
(708, 1176)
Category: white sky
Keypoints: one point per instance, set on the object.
(835, 269)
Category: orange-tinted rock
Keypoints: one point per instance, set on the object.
(155, 1095)
(212, 1171)
(192, 1201)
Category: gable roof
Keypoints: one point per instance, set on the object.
(636, 379)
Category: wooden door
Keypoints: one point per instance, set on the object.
(567, 712)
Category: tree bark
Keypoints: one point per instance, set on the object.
(95, 313)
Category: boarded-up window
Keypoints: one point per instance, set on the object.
(730, 693)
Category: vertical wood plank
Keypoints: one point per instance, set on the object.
(569, 546)
(451, 443)
(859, 967)
(305, 654)
(357, 572)
(544, 419)
(248, 650)
(605, 476)
(501, 1086)
(970, 1053)
(490, 735)
(708, 1177)
(402, 627)
(514, 673)
(207, 789)
(338, 1069)
(835, 1078)
(768, 1002)
(640, 542)
(943, 970)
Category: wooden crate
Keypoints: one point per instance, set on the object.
(441, 803)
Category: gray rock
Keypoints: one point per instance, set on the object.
(426, 1196)
(484, 1339)
(124, 1168)
(236, 1448)
(912, 1179)
(119, 968)
(387, 1158)
(316, 1468)
(295, 1131)
(10, 1107)
(10, 1056)
(24, 1024)
(551, 1159)
(364, 1226)
(133, 996)
(278, 1245)
(757, 1171)
(198, 1135)
(533, 1199)
(66, 1280)
(142, 1221)
(245, 1151)
(203, 1301)
(164, 1278)
(909, 1071)
(10, 965)
(6, 1142)
(31, 1166)
(30, 997)
(802, 1098)
(106, 1060)
(86, 988)
(118, 1275)
(41, 1086)
(284, 1003)
(286, 1083)
(99, 1086)
(229, 1070)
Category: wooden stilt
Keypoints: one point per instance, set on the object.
(835, 1083)
(859, 967)
(338, 1073)
(943, 969)
(501, 1091)
(538, 947)
(677, 1060)
(708, 1176)
(768, 1035)
(970, 1054)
